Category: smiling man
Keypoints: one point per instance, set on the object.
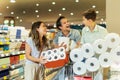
(65, 31)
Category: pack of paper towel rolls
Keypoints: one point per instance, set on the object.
(54, 54)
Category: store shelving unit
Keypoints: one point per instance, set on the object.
(11, 58)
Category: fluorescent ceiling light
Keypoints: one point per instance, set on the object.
(12, 1)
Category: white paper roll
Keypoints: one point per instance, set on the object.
(56, 51)
(99, 46)
(79, 68)
(50, 55)
(66, 41)
(56, 57)
(76, 55)
(112, 40)
(62, 55)
(92, 64)
(62, 49)
(105, 60)
(87, 50)
(115, 54)
(50, 58)
(49, 52)
(44, 54)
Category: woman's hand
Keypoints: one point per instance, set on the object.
(42, 60)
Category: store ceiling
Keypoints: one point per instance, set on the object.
(25, 10)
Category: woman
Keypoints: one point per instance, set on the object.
(35, 44)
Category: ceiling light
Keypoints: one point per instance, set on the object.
(32, 22)
(36, 11)
(0, 14)
(24, 12)
(71, 14)
(37, 4)
(17, 17)
(38, 16)
(12, 12)
(79, 24)
(53, 3)
(102, 19)
(20, 20)
(72, 23)
(93, 6)
(104, 22)
(60, 14)
(63, 9)
(54, 25)
(76, 0)
(7, 7)
(12, 1)
(48, 24)
(97, 12)
(49, 10)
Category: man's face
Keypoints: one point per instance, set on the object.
(64, 25)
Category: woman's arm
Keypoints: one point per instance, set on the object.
(28, 54)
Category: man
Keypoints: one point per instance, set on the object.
(92, 32)
(65, 31)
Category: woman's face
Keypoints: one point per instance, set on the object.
(42, 29)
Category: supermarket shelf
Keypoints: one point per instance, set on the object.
(4, 67)
(12, 67)
(4, 31)
(4, 43)
(11, 54)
